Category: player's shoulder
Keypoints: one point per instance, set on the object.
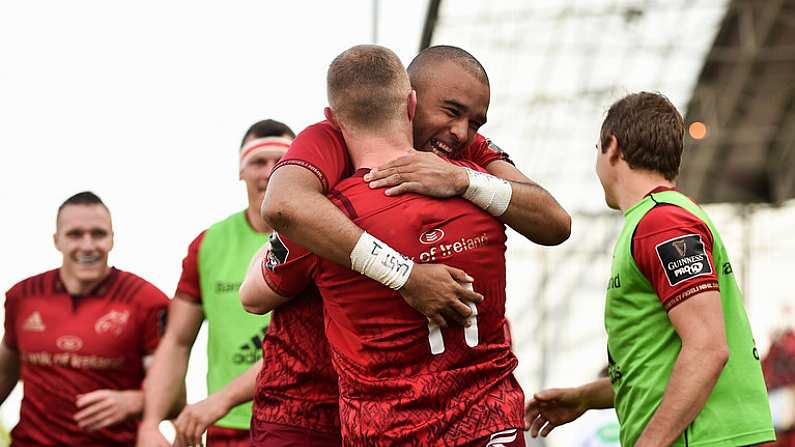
(356, 199)
(235, 218)
(478, 140)
(353, 183)
(321, 130)
(133, 288)
(197, 240)
(666, 217)
(33, 285)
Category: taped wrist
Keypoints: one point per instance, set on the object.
(490, 193)
(377, 260)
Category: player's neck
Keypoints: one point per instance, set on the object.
(74, 286)
(636, 184)
(255, 219)
(371, 150)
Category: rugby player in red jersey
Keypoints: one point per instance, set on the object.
(79, 338)
(453, 98)
(405, 380)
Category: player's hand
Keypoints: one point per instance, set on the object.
(551, 408)
(419, 172)
(149, 435)
(436, 291)
(103, 408)
(194, 419)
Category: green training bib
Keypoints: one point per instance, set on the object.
(234, 336)
(643, 346)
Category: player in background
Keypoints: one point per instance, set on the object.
(212, 271)
(453, 98)
(404, 380)
(682, 361)
(80, 338)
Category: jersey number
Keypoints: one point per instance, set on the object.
(470, 333)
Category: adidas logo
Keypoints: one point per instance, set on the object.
(251, 351)
(34, 323)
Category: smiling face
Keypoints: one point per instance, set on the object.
(451, 106)
(84, 235)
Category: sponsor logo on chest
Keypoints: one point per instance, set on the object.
(227, 287)
(69, 343)
(440, 250)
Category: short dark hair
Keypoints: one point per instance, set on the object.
(267, 128)
(86, 198)
(425, 61)
(367, 86)
(649, 130)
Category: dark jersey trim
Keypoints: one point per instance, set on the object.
(305, 164)
(350, 210)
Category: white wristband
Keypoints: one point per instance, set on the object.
(377, 260)
(490, 193)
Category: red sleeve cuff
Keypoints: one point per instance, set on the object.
(275, 286)
(305, 164)
(187, 295)
(688, 293)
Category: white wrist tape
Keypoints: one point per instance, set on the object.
(377, 260)
(491, 193)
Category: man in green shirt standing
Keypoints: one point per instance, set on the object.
(684, 369)
(212, 272)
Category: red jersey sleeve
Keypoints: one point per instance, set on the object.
(483, 151)
(189, 286)
(152, 316)
(288, 268)
(673, 249)
(321, 149)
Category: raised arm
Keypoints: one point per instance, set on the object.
(531, 210)
(296, 207)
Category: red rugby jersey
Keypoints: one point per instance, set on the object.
(74, 345)
(297, 385)
(321, 149)
(393, 389)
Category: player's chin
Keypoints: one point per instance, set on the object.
(87, 274)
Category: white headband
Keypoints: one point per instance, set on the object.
(269, 145)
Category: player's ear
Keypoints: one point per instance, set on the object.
(329, 114)
(613, 151)
(55, 240)
(411, 104)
